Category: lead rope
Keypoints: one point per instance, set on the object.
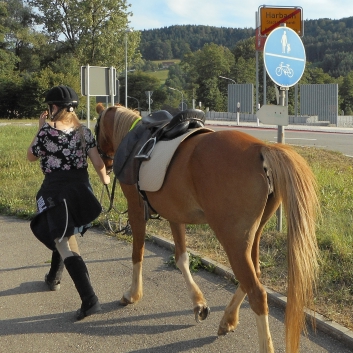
(121, 229)
(67, 221)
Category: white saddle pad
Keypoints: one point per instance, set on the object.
(152, 172)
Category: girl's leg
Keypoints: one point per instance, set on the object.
(77, 270)
(53, 277)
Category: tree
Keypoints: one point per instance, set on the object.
(203, 68)
(20, 38)
(210, 95)
(138, 83)
(346, 93)
(93, 30)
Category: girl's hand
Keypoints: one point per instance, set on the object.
(42, 118)
(106, 179)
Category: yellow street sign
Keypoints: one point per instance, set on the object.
(273, 17)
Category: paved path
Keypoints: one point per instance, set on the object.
(296, 127)
(33, 319)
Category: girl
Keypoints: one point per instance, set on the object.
(65, 202)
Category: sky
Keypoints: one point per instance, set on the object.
(152, 14)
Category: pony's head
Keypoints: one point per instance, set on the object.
(112, 125)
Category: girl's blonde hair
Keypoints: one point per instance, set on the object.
(68, 117)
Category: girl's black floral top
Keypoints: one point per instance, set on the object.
(62, 150)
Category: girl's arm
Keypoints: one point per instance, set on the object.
(30, 156)
(98, 165)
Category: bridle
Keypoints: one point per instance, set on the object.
(96, 132)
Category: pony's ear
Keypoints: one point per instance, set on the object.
(99, 108)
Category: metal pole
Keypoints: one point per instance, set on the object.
(264, 87)
(149, 102)
(226, 78)
(257, 71)
(88, 100)
(112, 86)
(182, 96)
(280, 139)
(257, 83)
(126, 68)
(138, 103)
(126, 34)
(238, 112)
(296, 99)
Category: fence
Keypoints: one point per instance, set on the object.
(342, 121)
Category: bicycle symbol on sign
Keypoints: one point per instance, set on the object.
(285, 69)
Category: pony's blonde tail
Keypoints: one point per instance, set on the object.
(294, 182)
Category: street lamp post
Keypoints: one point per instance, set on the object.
(229, 79)
(182, 96)
(226, 78)
(238, 112)
(138, 103)
(128, 30)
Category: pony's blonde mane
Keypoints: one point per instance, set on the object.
(123, 120)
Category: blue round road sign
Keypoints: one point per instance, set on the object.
(284, 56)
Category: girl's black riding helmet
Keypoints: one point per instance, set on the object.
(62, 96)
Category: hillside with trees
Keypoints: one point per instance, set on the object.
(328, 43)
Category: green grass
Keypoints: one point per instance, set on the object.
(21, 179)
(162, 75)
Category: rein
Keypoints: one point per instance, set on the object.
(126, 229)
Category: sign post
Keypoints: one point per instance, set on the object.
(284, 59)
(149, 100)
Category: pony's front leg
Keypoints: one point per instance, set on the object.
(201, 310)
(138, 227)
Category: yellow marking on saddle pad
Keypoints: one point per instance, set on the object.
(152, 172)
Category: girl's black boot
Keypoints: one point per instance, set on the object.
(77, 270)
(53, 277)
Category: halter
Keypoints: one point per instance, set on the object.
(96, 132)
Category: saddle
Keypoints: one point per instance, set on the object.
(139, 143)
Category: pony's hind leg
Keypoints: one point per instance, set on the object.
(230, 318)
(249, 284)
(201, 310)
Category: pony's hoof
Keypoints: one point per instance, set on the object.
(124, 302)
(223, 330)
(201, 313)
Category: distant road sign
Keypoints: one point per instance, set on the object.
(99, 82)
(273, 17)
(273, 115)
(284, 57)
(259, 40)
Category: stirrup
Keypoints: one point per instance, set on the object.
(147, 155)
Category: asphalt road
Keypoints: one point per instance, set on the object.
(331, 139)
(33, 319)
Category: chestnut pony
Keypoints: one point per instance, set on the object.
(234, 183)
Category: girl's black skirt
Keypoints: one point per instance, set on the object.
(66, 205)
